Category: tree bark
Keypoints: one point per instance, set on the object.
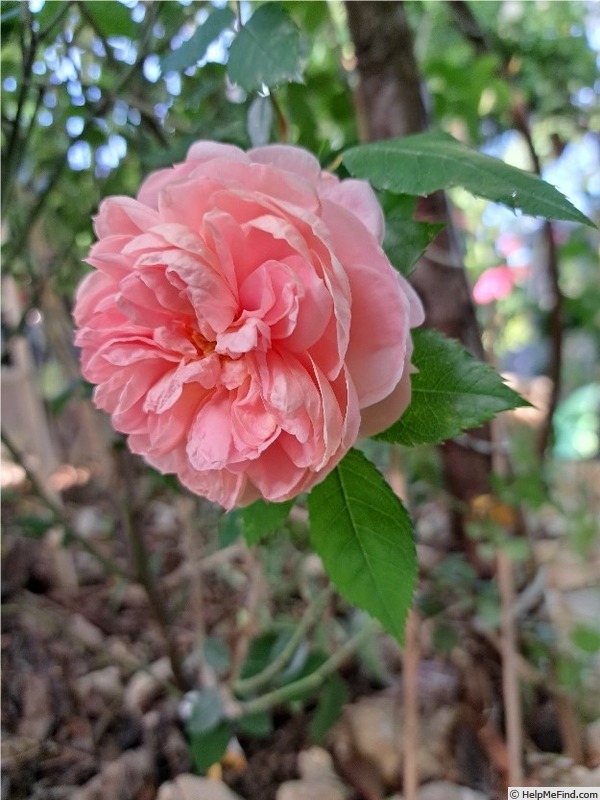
(391, 102)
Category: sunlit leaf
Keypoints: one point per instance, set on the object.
(111, 19)
(266, 51)
(364, 537)
(425, 162)
(195, 48)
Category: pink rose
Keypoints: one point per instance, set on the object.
(242, 323)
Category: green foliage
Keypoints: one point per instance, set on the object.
(207, 711)
(586, 638)
(207, 748)
(332, 698)
(216, 654)
(452, 391)
(364, 536)
(196, 46)
(262, 518)
(266, 51)
(207, 729)
(110, 19)
(83, 72)
(262, 651)
(257, 725)
(405, 239)
(426, 162)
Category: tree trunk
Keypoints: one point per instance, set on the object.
(391, 102)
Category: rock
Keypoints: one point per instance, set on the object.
(558, 770)
(316, 764)
(88, 634)
(371, 730)
(122, 778)
(443, 790)
(190, 787)
(318, 779)
(37, 714)
(105, 681)
(308, 790)
(145, 685)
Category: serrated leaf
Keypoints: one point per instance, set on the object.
(111, 19)
(262, 518)
(406, 239)
(451, 392)
(266, 50)
(364, 536)
(196, 46)
(425, 162)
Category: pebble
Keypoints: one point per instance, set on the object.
(191, 787)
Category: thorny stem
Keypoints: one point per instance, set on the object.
(312, 681)
(56, 509)
(310, 617)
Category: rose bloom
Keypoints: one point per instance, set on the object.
(242, 323)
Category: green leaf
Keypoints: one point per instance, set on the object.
(256, 725)
(405, 239)
(229, 528)
(332, 699)
(364, 536)
(111, 19)
(425, 162)
(586, 638)
(262, 651)
(266, 50)
(207, 748)
(262, 518)
(35, 527)
(451, 392)
(195, 48)
(216, 654)
(207, 711)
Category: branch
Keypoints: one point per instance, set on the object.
(310, 617)
(58, 512)
(312, 681)
(28, 59)
(143, 574)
